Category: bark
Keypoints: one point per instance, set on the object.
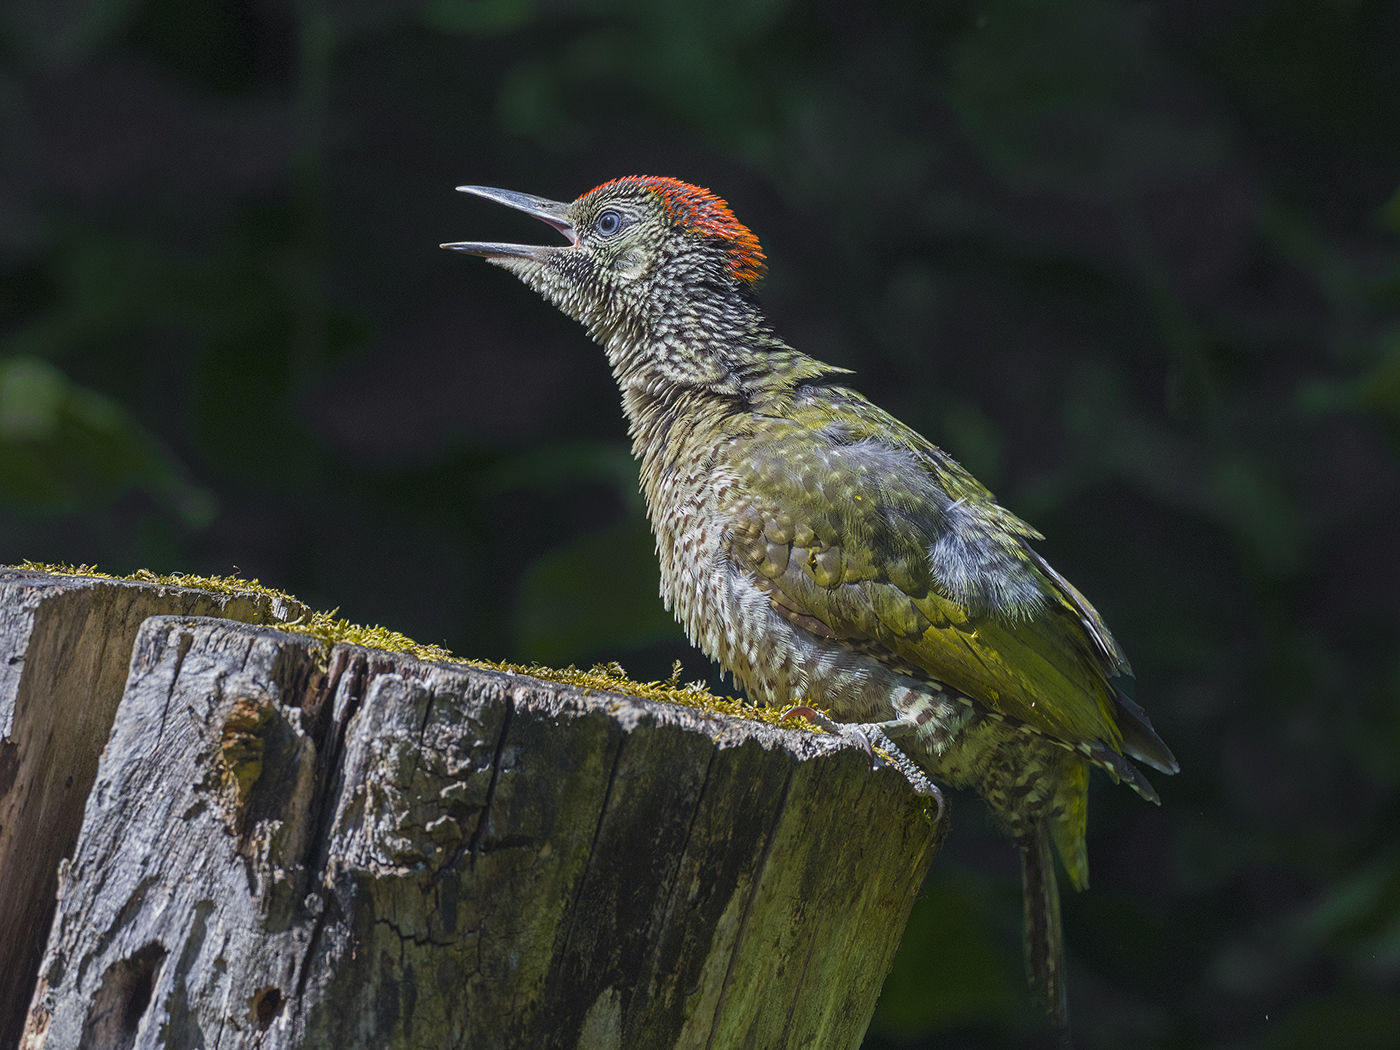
(65, 643)
(285, 847)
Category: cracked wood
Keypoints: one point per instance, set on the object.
(287, 848)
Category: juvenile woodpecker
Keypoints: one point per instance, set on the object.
(825, 553)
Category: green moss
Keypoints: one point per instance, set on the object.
(218, 584)
(612, 678)
(330, 630)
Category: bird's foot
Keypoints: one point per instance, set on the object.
(875, 739)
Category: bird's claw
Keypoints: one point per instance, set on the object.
(875, 733)
(874, 739)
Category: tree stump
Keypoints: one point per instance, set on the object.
(289, 847)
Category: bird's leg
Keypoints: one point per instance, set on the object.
(879, 736)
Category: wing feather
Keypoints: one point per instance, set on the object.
(874, 536)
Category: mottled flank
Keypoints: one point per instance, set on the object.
(825, 553)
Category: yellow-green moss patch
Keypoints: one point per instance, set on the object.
(330, 630)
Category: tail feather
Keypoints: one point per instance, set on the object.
(1140, 740)
(1045, 948)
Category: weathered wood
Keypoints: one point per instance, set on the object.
(378, 852)
(65, 643)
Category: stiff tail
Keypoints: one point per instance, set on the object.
(1045, 947)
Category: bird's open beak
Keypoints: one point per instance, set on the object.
(552, 212)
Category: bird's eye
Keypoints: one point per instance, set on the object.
(609, 223)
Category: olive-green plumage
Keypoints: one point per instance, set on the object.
(825, 553)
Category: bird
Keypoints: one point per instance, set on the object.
(827, 555)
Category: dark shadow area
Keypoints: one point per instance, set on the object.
(122, 999)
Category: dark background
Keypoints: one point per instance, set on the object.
(1135, 264)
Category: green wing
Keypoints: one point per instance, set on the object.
(871, 535)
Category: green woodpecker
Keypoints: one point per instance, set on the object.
(825, 553)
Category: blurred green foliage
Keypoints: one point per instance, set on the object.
(66, 449)
(1135, 263)
(950, 973)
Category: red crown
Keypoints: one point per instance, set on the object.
(700, 212)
